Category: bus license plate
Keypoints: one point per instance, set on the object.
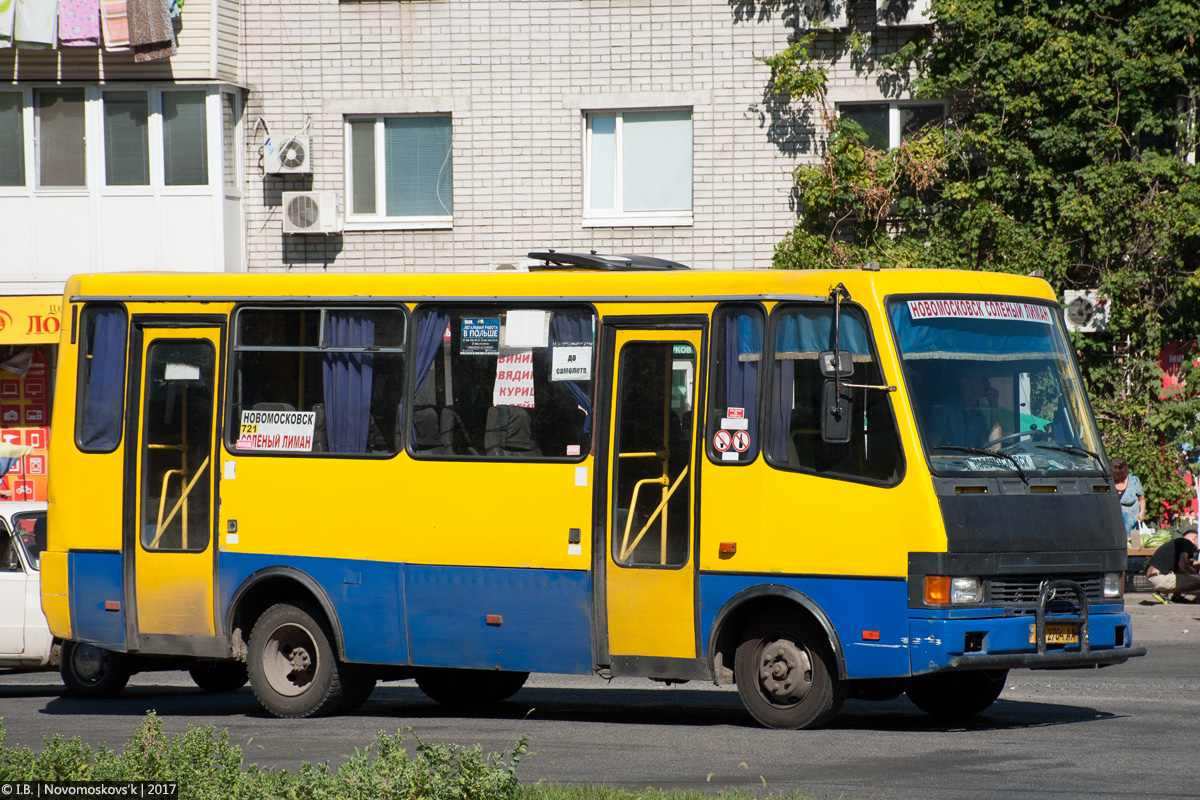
(1056, 634)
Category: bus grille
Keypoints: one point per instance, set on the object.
(1024, 589)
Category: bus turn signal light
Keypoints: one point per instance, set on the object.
(937, 590)
(728, 548)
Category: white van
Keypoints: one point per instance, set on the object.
(25, 639)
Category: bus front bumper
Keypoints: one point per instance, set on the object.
(986, 641)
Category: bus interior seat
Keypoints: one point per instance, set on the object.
(273, 407)
(320, 433)
(509, 432)
(427, 432)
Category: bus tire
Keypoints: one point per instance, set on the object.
(461, 688)
(293, 668)
(785, 672)
(956, 695)
(220, 676)
(92, 672)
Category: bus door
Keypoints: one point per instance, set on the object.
(169, 501)
(650, 576)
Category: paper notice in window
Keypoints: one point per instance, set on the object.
(277, 430)
(514, 380)
(526, 329)
(571, 363)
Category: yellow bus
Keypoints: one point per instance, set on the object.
(815, 485)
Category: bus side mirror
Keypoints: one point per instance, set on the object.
(836, 364)
(835, 412)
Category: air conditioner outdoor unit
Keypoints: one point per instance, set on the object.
(822, 14)
(902, 13)
(311, 212)
(1085, 310)
(290, 155)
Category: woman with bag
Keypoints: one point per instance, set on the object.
(1133, 498)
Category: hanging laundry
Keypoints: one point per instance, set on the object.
(35, 26)
(150, 30)
(79, 23)
(115, 22)
(8, 13)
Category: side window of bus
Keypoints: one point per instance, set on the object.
(800, 333)
(101, 384)
(499, 382)
(317, 380)
(736, 370)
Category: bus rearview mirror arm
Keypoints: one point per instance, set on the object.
(835, 422)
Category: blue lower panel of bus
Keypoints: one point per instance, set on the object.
(438, 616)
(935, 640)
(869, 616)
(96, 579)
(540, 619)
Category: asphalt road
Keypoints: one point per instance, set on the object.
(1124, 731)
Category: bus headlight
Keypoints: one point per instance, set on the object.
(1114, 584)
(941, 590)
(965, 590)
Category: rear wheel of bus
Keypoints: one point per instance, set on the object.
(785, 671)
(955, 695)
(93, 672)
(293, 667)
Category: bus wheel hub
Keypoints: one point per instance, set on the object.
(785, 673)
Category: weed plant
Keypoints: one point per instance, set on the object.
(207, 767)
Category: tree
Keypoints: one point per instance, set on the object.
(1065, 151)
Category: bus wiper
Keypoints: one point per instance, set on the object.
(979, 451)
(1072, 449)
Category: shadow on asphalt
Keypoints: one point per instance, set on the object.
(675, 707)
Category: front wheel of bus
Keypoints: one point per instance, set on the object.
(93, 672)
(955, 695)
(785, 672)
(294, 671)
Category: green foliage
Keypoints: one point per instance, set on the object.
(208, 767)
(1062, 153)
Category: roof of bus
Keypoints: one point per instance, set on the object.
(579, 284)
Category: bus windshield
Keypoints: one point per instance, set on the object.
(994, 387)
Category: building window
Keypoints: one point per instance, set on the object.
(60, 134)
(126, 139)
(231, 113)
(400, 169)
(12, 140)
(185, 139)
(889, 124)
(638, 167)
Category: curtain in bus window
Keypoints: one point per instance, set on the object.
(965, 338)
(568, 327)
(348, 381)
(430, 334)
(805, 332)
(104, 408)
(743, 354)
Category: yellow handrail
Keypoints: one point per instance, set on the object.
(627, 548)
(182, 501)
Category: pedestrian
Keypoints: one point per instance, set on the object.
(1133, 498)
(1172, 570)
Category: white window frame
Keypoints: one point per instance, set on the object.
(894, 109)
(379, 221)
(618, 217)
(93, 114)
